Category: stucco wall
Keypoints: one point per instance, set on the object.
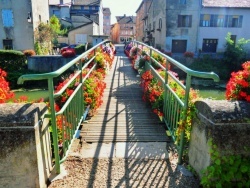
(220, 33)
(25, 157)
(226, 123)
(89, 29)
(173, 32)
(22, 33)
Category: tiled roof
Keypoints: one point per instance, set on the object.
(226, 3)
(86, 2)
(106, 10)
(125, 19)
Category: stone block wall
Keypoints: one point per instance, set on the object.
(25, 147)
(226, 123)
(45, 64)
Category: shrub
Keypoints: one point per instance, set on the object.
(80, 49)
(68, 54)
(238, 87)
(189, 54)
(29, 53)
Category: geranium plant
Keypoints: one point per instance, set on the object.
(5, 93)
(238, 87)
(153, 93)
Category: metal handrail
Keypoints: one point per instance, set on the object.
(74, 117)
(172, 103)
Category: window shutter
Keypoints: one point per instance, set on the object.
(179, 20)
(190, 21)
(7, 16)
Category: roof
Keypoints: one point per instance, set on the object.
(106, 10)
(125, 19)
(58, 2)
(227, 3)
(86, 2)
(83, 25)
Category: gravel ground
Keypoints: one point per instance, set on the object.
(119, 172)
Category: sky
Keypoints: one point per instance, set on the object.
(121, 7)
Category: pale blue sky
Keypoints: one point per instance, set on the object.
(121, 7)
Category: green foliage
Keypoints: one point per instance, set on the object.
(80, 49)
(44, 35)
(226, 171)
(55, 24)
(38, 48)
(235, 54)
(209, 64)
(11, 60)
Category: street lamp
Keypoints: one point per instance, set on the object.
(29, 17)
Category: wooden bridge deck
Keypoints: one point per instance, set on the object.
(123, 116)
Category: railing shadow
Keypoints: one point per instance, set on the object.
(145, 164)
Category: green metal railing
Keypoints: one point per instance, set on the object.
(174, 108)
(73, 111)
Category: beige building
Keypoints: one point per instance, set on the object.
(142, 19)
(83, 34)
(19, 21)
(115, 30)
(124, 30)
(106, 21)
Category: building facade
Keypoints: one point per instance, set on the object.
(124, 29)
(106, 21)
(60, 8)
(19, 21)
(142, 20)
(88, 8)
(188, 25)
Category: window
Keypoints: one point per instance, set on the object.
(160, 23)
(205, 20)
(7, 44)
(233, 38)
(7, 16)
(153, 26)
(57, 13)
(213, 20)
(184, 20)
(86, 7)
(235, 21)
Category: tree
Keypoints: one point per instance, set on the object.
(235, 55)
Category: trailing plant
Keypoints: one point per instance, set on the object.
(226, 171)
(238, 87)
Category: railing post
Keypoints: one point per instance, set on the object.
(53, 124)
(184, 118)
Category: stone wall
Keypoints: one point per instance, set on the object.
(25, 146)
(44, 64)
(226, 123)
